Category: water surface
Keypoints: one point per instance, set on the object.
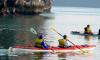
(64, 20)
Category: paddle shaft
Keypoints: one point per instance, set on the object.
(67, 40)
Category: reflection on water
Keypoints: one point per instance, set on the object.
(67, 54)
(99, 37)
(16, 29)
(89, 39)
(47, 56)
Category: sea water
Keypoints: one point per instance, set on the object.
(64, 20)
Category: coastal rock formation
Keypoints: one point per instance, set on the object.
(25, 6)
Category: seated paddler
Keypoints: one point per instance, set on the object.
(40, 43)
(63, 42)
(88, 30)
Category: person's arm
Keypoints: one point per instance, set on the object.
(44, 44)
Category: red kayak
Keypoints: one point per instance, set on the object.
(51, 49)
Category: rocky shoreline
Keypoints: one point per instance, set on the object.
(25, 7)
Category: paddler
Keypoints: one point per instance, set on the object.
(40, 43)
(87, 30)
(63, 42)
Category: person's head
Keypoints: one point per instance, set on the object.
(40, 36)
(65, 36)
(88, 25)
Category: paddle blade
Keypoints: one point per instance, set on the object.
(33, 30)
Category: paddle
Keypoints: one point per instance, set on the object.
(69, 41)
(33, 31)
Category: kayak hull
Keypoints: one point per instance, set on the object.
(52, 49)
(80, 33)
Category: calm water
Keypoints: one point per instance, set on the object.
(64, 20)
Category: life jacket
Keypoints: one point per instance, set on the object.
(61, 42)
(38, 43)
(87, 30)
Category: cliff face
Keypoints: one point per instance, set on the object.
(26, 6)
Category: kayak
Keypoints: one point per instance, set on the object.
(81, 33)
(52, 49)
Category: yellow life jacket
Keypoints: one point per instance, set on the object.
(38, 43)
(62, 42)
(89, 30)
